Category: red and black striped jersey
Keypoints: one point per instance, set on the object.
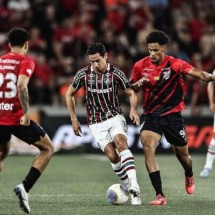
(163, 94)
(101, 91)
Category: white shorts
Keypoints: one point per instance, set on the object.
(104, 132)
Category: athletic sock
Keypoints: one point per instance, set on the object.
(209, 160)
(31, 178)
(120, 172)
(210, 155)
(156, 182)
(127, 161)
(189, 172)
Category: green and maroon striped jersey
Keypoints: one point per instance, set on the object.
(101, 91)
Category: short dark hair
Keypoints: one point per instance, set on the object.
(157, 37)
(18, 36)
(96, 48)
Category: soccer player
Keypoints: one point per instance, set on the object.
(15, 72)
(160, 77)
(101, 81)
(211, 148)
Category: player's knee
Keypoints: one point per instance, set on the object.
(149, 147)
(121, 146)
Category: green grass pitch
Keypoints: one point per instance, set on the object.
(77, 184)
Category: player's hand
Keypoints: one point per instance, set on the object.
(142, 81)
(25, 120)
(134, 117)
(76, 128)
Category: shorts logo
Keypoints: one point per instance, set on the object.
(183, 134)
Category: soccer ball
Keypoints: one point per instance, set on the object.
(117, 194)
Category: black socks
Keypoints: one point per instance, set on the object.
(156, 182)
(31, 178)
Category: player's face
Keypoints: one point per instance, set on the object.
(99, 62)
(156, 52)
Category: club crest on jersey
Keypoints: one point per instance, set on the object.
(107, 81)
(166, 73)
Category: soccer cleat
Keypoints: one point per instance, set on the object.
(159, 200)
(135, 195)
(23, 198)
(205, 173)
(189, 185)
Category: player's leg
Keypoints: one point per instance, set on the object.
(184, 158)
(4, 150)
(100, 132)
(4, 145)
(35, 135)
(128, 165)
(113, 156)
(209, 159)
(150, 141)
(118, 133)
(175, 134)
(40, 162)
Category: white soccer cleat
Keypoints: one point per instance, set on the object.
(23, 198)
(135, 195)
(205, 173)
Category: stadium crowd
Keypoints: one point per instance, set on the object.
(61, 31)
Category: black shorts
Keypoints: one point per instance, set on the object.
(29, 134)
(171, 125)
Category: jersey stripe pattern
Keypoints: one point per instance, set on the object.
(163, 94)
(101, 89)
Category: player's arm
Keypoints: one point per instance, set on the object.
(202, 75)
(70, 102)
(22, 87)
(210, 89)
(133, 104)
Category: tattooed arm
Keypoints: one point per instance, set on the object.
(22, 87)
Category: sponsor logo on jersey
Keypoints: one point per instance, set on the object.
(6, 106)
(99, 90)
(156, 78)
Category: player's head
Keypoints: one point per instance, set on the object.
(18, 39)
(156, 41)
(97, 55)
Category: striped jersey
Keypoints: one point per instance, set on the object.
(163, 94)
(101, 91)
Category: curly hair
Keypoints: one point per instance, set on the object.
(157, 36)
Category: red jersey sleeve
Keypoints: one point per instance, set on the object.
(136, 73)
(181, 66)
(27, 67)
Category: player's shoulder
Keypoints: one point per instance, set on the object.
(114, 68)
(173, 60)
(83, 71)
(142, 62)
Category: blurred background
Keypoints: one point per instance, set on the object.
(61, 31)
